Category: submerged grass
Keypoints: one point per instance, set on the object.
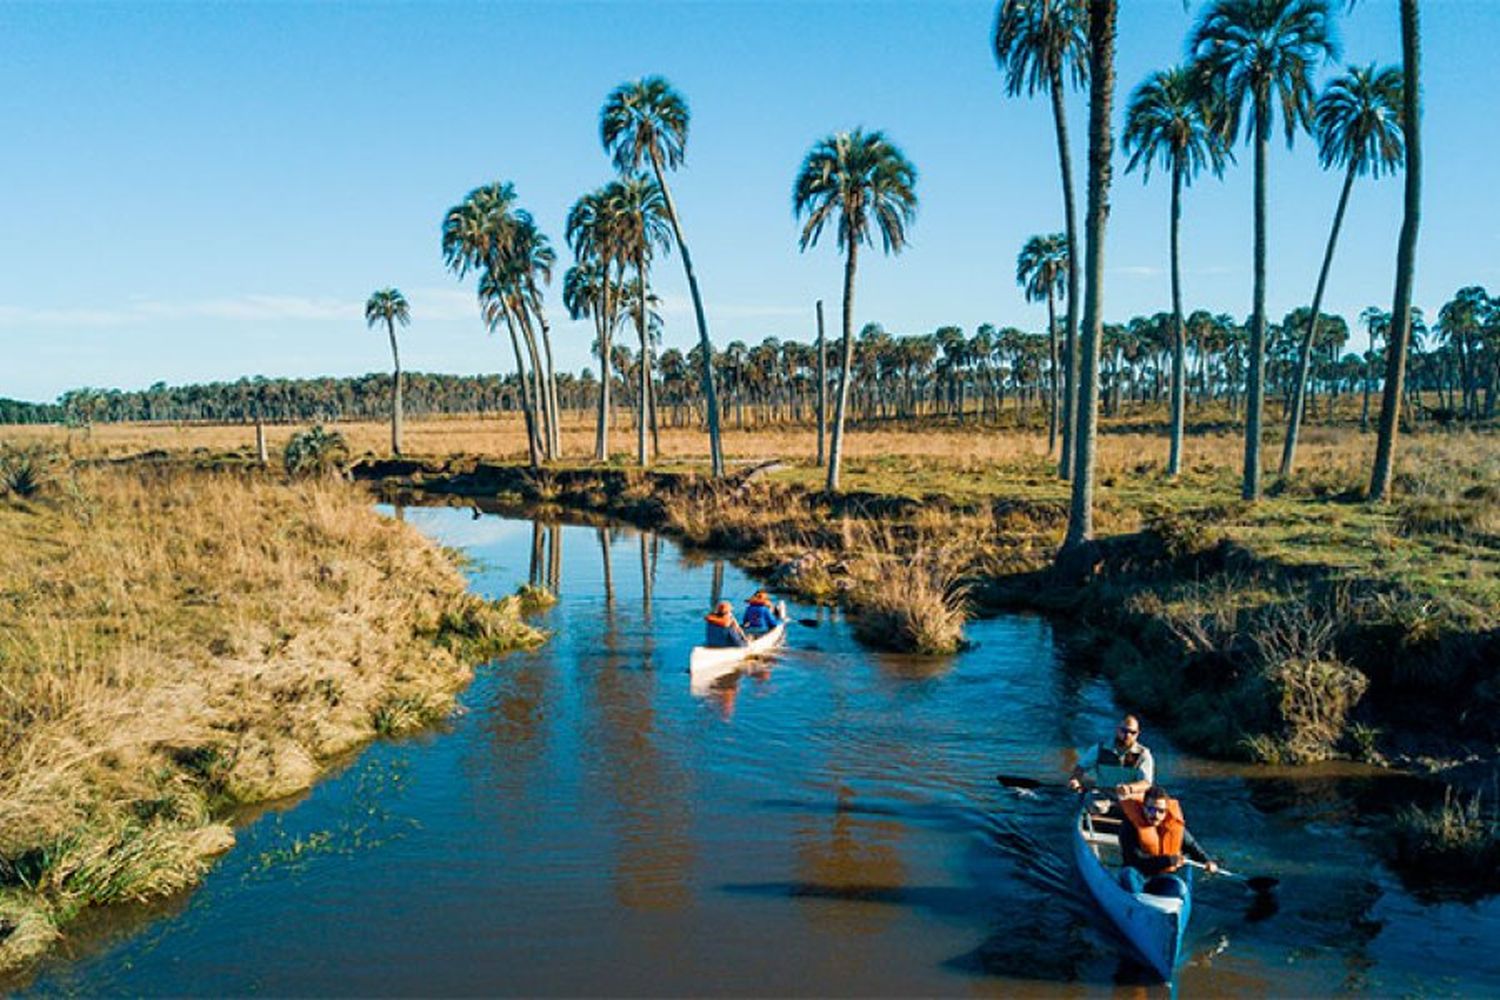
(174, 642)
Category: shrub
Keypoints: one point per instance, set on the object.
(913, 604)
(316, 452)
(25, 472)
(1456, 842)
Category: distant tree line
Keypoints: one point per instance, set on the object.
(993, 373)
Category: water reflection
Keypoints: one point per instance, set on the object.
(827, 825)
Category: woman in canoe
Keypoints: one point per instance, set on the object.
(1155, 842)
(760, 615)
(721, 630)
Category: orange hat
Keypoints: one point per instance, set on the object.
(724, 607)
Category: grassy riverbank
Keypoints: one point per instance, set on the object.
(175, 643)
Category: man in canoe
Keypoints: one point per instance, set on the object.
(722, 630)
(1123, 766)
(760, 614)
(1155, 842)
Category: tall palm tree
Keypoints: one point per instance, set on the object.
(860, 181)
(1254, 52)
(1040, 44)
(1171, 118)
(1406, 254)
(478, 235)
(1358, 124)
(533, 260)
(640, 210)
(595, 232)
(646, 121)
(1103, 15)
(389, 306)
(1042, 272)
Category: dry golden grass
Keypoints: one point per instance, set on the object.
(175, 641)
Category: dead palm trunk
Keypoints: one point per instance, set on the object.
(1406, 255)
(1304, 360)
(710, 392)
(1102, 15)
(841, 401)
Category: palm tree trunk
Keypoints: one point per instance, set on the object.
(551, 388)
(1070, 336)
(390, 326)
(1304, 360)
(643, 457)
(1052, 348)
(1406, 255)
(1179, 337)
(822, 390)
(1255, 404)
(1102, 18)
(531, 439)
(841, 401)
(601, 430)
(538, 385)
(710, 392)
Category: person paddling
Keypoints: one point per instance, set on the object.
(721, 630)
(1155, 843)
(1123, 766)
(760, 614)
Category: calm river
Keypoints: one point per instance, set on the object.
(589, 825)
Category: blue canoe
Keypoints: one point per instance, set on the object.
(1154, 925)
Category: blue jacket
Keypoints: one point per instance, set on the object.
(720, 636)
(759, 618)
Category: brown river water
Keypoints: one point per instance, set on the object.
(587, 825)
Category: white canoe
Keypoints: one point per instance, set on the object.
(711, 662)
(1154, 925)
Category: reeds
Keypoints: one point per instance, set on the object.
(173, 642)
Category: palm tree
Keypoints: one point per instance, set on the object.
(648, 121)
(1171, 118)
(1406, 253)
(853, 178)
(1358, 125)
(1038, 43)
(1102, 25)
(640, 212)
(389, 306)
(478, 235)
(1042, 272)
(595, 232)
(1253, 51)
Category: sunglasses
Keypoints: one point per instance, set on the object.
(1155, 811)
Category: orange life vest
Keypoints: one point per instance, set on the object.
(723, 621)
(1159, 839)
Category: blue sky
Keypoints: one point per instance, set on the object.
(199, 191)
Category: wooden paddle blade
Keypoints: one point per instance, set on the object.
(809, 622)
(1262, 883)
(1016, 781)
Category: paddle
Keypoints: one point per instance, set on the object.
(1258, 884)
(807, 622)
(1024, 784)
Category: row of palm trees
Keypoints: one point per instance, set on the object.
(1247, 59)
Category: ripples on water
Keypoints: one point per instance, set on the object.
(828, 825)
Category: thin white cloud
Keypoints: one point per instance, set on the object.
(426, 303)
